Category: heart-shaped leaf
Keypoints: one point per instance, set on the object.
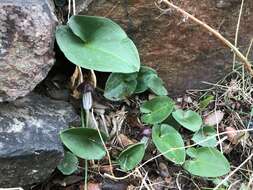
(166, 138)
(205, 137)
(148, 79)
(98, 43)
(84, 143)
(188, 119)
(131, 156)
(156, 110)
(208, 162)
(69, 164)
(120, 86)
(143, 76)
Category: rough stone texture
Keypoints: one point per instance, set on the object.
(82, 5)
(183, 53)
(26, 45)
(30, 148)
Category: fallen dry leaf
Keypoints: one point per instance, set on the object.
(233, 136)
(124, 140)
(214, 118)
(117, 120)
(75, 81)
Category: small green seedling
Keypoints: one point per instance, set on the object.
(205, 102)
(169, 142)
(120, 86)
(188, 119)
(148, 79)
(156, 110)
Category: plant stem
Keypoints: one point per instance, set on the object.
(85, 161)
(86, 175)
(107, 152)
(145, 140)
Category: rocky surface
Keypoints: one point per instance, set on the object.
(183, 53)
(26, 45)
(30, 148)
(82, 5)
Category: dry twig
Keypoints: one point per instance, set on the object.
(244, 60)
(237, 32)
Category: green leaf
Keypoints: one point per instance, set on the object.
(192, 152)
(120, 86)
(208, 162)
(156, 110)
(84, 143)
(148, 79)
(69, 164)
(131, 156)
(201, 136)
(155, 84)
(188, 119)
(98, 43)
(172, 122)
(143, 76)
(206, 101)
(251, 112)
(166, 138)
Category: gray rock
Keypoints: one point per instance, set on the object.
(26, 45)
(82, 5)
(30, 148)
